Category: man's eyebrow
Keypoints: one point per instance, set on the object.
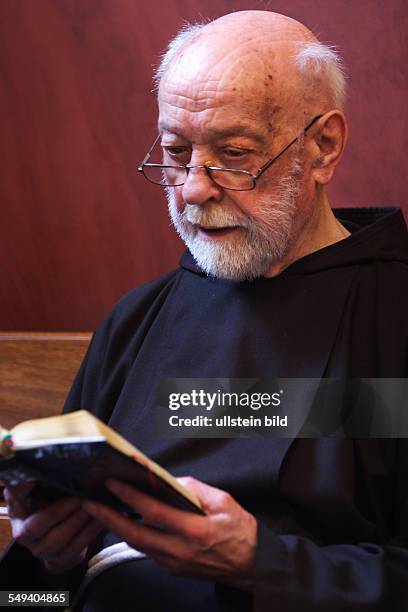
(233, 130)
(239, 130)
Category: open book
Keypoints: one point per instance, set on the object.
(73, 454)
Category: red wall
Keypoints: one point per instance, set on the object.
(78, 226)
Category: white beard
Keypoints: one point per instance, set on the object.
(263, 240)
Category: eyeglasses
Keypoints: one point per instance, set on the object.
(227, 178)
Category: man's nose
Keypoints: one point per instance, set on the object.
(199, 188)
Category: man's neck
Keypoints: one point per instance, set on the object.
(320, 230)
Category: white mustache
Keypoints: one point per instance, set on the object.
(212, 218)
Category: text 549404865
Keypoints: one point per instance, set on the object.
(34, 598)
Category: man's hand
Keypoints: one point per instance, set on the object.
(220, 546)
(58, 534)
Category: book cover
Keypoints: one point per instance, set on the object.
(74, 454)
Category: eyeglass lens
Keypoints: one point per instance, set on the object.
(175, 176)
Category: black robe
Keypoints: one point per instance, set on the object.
(332, 513)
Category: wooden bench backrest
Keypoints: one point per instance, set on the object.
(36, 373)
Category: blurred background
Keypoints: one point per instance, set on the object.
(78, 226)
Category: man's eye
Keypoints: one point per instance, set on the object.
(175, 151)
(235, 153)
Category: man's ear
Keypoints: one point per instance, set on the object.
(329, 142)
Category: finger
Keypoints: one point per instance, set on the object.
(142, 537)
(37, 525)
(153, 511)
(75, 550)
(60, 536)
(88, 533)
(22, 489)
(18, 499)
(211, 498)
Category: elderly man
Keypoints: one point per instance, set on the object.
(251, 129)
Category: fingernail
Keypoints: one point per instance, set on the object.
(114, 486)
(90, 507)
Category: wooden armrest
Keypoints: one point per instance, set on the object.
(36, 373)
(4, 512)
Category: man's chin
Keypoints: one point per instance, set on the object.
(233, 273)
(224, 261)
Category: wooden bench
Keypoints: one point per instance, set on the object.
(36, 373)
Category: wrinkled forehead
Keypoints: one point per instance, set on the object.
(255, 77)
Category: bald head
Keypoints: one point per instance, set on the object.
(294, 73)
(254, 25)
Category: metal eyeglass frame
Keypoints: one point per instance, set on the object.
(187, 167)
